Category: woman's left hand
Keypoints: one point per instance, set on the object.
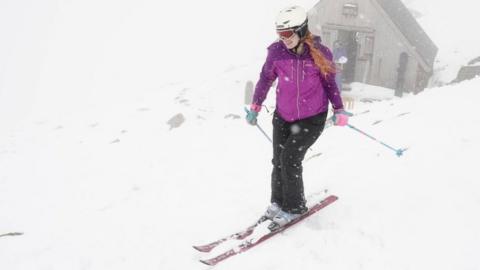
(340, 117)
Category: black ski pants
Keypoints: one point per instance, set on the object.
(291, 140)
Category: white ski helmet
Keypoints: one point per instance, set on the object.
(294, 18)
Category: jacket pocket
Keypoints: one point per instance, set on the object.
(309, 69)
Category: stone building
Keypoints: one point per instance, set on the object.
(384, 43)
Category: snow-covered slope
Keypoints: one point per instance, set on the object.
(115, 188)
(97, 175)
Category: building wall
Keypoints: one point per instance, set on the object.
(379, 68)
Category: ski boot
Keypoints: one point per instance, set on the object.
(271, 212)
(282, 219)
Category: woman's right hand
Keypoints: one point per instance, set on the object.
(251, 116)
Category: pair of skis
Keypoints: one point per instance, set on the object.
(254, 241)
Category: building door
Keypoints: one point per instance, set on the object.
(348, 39)
(401, 71)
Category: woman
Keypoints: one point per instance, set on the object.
(306, 84)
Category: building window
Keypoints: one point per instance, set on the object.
(350, 10)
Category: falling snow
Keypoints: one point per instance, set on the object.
(80, 192)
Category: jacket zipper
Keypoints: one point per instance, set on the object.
(298, 87)
(303, 71)
(293, 69)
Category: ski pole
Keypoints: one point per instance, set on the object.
(398, 152)
(268, 137)
(261, 130)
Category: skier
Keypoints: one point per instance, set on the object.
(306, 83)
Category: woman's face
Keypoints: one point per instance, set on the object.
(290, 42)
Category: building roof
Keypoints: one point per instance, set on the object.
(410, 28)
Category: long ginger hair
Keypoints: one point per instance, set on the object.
(326, 66)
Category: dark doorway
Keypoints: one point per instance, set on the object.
(349, 40)
(401, 71)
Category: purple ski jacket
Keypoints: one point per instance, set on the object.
(302, 90)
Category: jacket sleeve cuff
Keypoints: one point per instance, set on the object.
(255, 107)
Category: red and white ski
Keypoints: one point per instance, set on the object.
(250, 243)
(237, 236)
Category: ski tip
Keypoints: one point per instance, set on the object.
(207, 262)
(331, 198)
(201, 249)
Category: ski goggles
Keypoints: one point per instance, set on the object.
(285, 34)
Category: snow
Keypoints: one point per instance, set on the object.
(120, 149)
(452, 27)
(367, 92)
